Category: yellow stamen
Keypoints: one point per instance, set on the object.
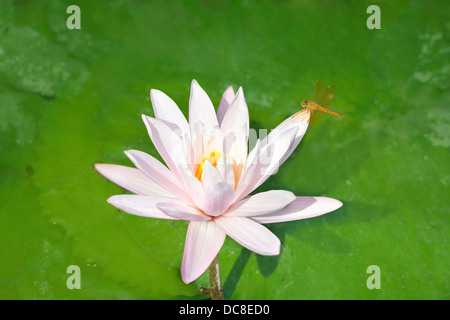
(212, 158)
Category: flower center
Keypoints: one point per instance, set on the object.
(212, 158)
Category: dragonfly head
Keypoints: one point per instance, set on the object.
(304, 103)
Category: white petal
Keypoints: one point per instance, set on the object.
(203, 242)
(218, 194)
(194, 187)
(213, 141)
(156, 171)
(227, 99)
(225, 169)
(267, 161)
(301, 208)
(197, 136)
(235, 124)
(187, 151)
(250, 234)
(248, 172)
(261, 203)
(182, 211)
(210, 175)
(169, 145)
(218, 198)
(138, 205)
(166, 109)
(300, 121)
(274, 151)
(235, 129)
(201, 108)
(131, 179)
(298, 124)
(238, 153)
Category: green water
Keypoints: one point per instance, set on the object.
(71, 98)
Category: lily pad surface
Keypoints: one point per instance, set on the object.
(72, 98)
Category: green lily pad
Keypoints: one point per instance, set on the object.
(71, 98)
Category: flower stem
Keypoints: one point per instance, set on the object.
(215, 281)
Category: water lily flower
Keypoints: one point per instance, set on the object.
(210, 174)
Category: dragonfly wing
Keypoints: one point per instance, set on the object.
(328, 96)
(316, 117)
(320, 88)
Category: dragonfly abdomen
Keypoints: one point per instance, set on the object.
(316, 106)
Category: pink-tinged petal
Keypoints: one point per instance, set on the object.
(238, 151)
(201, 108)
(267, 161)
(235, 129)
(261, 203)
(182, 211)
(197, 136)
(248, 172)
(273, 152)
(301, 208)
(213, 141)
(218, 198)
(300, 120)
(235, 124)
(187, 151)
(143, 206)
(158, 172)
(298, 124)
(131, 179)
(167, 110)
(236, 114)
(203, 242)
(225, 169)
(218, 194)
(193, 186)
(250, 234)
(210, 175)
(225, 102)
(169, 145)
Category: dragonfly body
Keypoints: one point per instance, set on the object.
(311, 105)
(322, 99)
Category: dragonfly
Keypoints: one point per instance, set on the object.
(323, 98)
